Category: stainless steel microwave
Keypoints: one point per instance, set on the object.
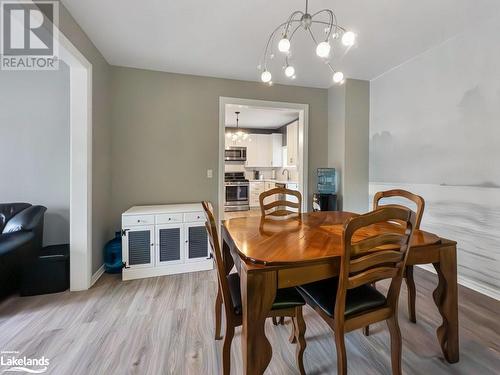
(235, 154)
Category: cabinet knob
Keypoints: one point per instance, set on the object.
(169, 218)
(138, 221)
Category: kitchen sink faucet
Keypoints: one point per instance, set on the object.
(287, 174)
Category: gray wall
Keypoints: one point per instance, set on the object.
(101, 135)
(166, 129)
(348, 137)
(35, 144)
(435, 130)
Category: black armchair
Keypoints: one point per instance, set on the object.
(21, 235)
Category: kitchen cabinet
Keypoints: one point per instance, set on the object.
(292, 143)
(253, 156)
(164, 240)
(264, 151)
(256, 188)
(277, 147)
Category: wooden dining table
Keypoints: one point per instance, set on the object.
(271, 254)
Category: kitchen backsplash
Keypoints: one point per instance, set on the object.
(266, 172)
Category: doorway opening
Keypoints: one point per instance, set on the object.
(262, 145)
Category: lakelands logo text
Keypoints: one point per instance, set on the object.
(11, 361)
(29, 35)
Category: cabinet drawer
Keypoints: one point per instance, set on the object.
(168, 218)
(194, 217)
(138, 220)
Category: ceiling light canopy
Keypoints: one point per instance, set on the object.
(305, 21)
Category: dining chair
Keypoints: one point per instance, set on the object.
(350, 302)
(288, 302)
(280, 206)
(420, 205)
(277, 206)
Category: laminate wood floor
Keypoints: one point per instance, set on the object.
(164, 325)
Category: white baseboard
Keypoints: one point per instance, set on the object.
(97, 275)
(468, 283)
(139, 273)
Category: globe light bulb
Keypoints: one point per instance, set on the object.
(323, 49)
(266, 76)
(284, 45)
(289, 71)
(348, 39)
(338, 77)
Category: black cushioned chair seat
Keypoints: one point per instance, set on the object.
(323, 294)
(285, 298)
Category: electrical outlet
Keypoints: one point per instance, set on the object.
(210, 173)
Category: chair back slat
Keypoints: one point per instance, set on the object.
(279, 207)
(395, 193)
(368, 261)
(378, 257)
(376, 241)
(216, 252)
(371, 275)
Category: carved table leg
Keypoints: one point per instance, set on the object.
(446, 299)
(258, 290)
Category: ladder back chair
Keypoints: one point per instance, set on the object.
(288, 302)
(280, 207)
(420, 205)
(350, 302)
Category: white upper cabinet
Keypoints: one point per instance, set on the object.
(292, 143)
(264, 151)
(252, 144)
(277, 145)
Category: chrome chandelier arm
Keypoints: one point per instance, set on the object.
(290, 19)
(271, 36)
(330, 66)
(333, 19)
(312, 36)
(337, 27)
(293, 32)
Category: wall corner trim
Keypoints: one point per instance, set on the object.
(96, 276)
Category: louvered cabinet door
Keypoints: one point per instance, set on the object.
(196, 242)
(169, 244)
(138, 246)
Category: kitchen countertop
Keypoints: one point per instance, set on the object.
(275, 181)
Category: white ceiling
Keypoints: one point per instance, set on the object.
(259, 118)
(224, 38)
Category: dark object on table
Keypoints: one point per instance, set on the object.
(48, 273)
(324, 202)
(113, 254)
(21, 233)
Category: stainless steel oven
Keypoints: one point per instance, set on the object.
(235, 154)
(237, 190)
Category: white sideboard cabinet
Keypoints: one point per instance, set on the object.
(164, 240)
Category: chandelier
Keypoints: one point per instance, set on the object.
(304, 20)
(238, 135)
